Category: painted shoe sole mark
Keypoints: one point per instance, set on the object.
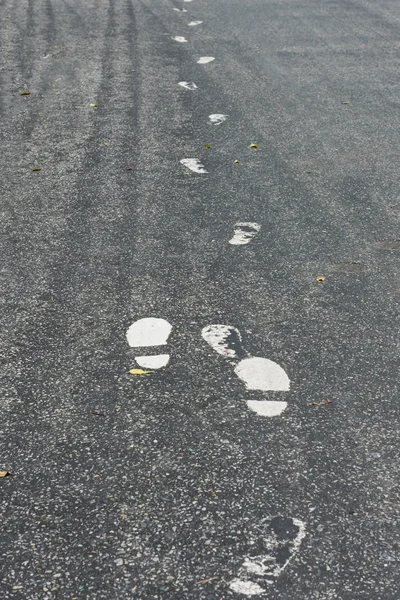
(217, 118)
(279, 541)
(148, 332)
(257, 373)
(188, 85)
(194, 165)
(203, 60)
(243, 233)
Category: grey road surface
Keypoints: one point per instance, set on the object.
(167, 485)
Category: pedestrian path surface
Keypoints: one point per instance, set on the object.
(199, 327)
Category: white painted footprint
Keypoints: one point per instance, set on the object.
(257, 373)
(188, 85)
(203, 60)
(217, 119)
(194, 165)
(149, 332)
(194, 23)
(243, 233)
(180, 10)
(179, 38)
(278, 541)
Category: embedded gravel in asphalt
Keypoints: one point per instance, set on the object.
(167, 484)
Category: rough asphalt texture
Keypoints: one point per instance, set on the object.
(141, 487)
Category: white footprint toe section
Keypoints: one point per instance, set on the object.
(217, 118)
(147, 332)
(243, 233)
(179, 38)
(224, 339)
(194, 23)
(262, 374)
(267, 408)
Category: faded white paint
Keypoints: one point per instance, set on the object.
(194, 165)
(247, 588)
(189, 85)
(265, 566)
(150, 331)
(153, 362)
(194, 23)
(299, 538)
(217, 337)
(267, 408)
(180, 9)
(203, 60)
(257, 373)
(244, 232)
(217, 119)
(262, 374)
(179, 38)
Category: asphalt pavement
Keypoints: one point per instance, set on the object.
(203, 474)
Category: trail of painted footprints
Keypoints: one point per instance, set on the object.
(257, 373)
(274, 541)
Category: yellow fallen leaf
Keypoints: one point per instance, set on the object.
(346, 102)
(36, 169)
(235, 162)
(94, 105)
(5, 473)
(253, 145)
(139, 372)
(25, 93)
(321, 278)
(207, 146)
